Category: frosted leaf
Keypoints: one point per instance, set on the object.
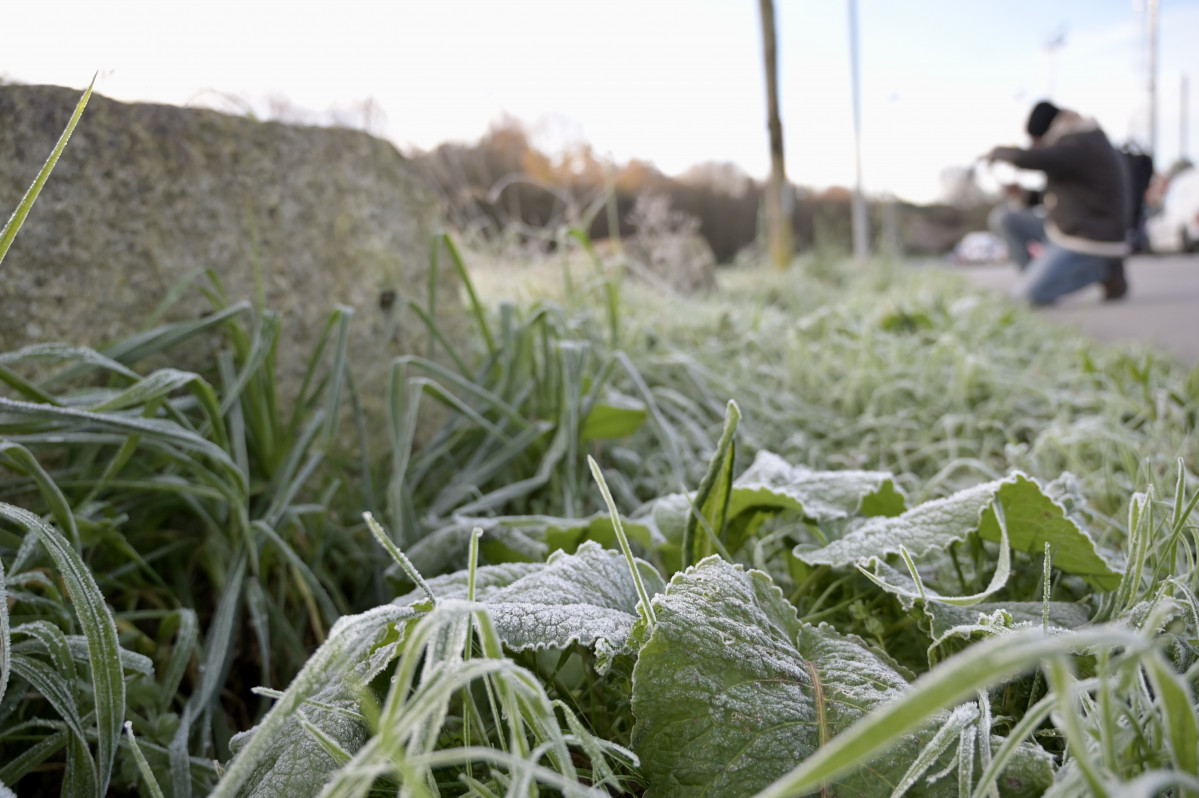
(584, 598)
(1062, 614)
(488, 579)
(587, 598)
(731, 690)
(278, 758)
(526, 537)
(820, 495)
(1032, 519)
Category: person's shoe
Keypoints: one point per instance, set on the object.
(1115, 286)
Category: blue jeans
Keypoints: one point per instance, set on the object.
(1018, 227)
(1058, 271)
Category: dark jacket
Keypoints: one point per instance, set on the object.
(1086, 186)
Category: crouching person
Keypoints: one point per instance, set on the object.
(1086, 206)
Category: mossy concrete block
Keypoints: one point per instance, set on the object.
(145, 196)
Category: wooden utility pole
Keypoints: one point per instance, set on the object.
(778, 227)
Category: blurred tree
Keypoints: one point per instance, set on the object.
(778, 230)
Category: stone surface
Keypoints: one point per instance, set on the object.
(145, 196)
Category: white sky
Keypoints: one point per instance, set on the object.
(675, 82)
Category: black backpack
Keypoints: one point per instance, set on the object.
(1139, 167)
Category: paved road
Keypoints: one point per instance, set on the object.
(1161, 308)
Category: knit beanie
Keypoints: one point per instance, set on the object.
(1041, 118)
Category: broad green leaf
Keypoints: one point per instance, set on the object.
(731, 690)
(1033, 519)
(586, 598)
(296, 764)
(618, 416)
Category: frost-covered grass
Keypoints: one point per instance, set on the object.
(841, 499)
(849, 527)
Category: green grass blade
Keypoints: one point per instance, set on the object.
(712, 499)
(18, 216)
(99, 628)
(337, 376)
(181, 654)
(1178, 712)
(150, 342)
(142, 765)
(982, 665)
(400, 558)
(667, 434)
(307, 580)
(5, 636)
(611, 288)
(642, 595)
(180, 287)
(218, 645)
(231, 479)
(21, 460)
(26, 388)
(476, 307)
(15, 769)
(436, 334)
(261, 347)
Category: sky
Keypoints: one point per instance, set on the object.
(674, 82)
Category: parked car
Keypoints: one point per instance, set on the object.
(1175, 228)
(980, 247)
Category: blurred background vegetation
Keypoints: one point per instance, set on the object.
(503, 187)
